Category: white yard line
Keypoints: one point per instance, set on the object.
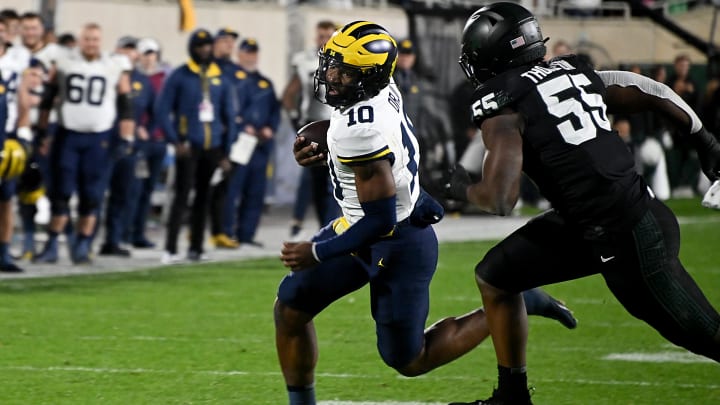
(658, 357)
(378, 403)
(347, 376)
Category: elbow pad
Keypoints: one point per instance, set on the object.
(653, 88)
(124, 107)
(48, 97)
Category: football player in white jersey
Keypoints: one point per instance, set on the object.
(42, 56)
(93, 90)
(12, 158)
(383, 238)
(298, 99)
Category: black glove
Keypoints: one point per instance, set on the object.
(456, 183)
(125, 147)
(708, 150)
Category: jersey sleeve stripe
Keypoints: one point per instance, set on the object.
(382, 153)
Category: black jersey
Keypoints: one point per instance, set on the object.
(569, 149)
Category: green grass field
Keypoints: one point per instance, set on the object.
(204, 335)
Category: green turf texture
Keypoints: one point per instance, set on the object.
(204, 335)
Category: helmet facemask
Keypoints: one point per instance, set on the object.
(336, 83)
(355, 64)
(476, 76)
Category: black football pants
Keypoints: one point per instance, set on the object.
(641, 268)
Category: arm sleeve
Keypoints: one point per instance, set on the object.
(163, 106)
(652, 88)
(379, 220)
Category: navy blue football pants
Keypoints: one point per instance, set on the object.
(399, 270)
(78, 161)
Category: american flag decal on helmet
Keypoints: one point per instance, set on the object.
(517, 42)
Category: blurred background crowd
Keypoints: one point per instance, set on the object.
(119, 123)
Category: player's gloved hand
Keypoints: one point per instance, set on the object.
(456, 183)
(427, 211)
(708, 150)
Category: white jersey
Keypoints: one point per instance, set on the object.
(47, 55)
(12, 64)
(370, 130)
(88, 92)
(305, 64)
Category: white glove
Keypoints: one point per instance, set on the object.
(712, 196)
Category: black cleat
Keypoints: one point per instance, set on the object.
(561, 313)
(113, 250)
(538, 302)
(495, 400)
(143, 244)
(10, 268)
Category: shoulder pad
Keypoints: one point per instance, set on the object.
(489, 102)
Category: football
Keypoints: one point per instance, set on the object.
(316, 132)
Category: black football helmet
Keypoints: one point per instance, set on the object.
(499, 37)
(362, 50)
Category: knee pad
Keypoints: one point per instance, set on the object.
(399, 346)
(290, 294)
(59, 206)
(490, 271)
(87, 206)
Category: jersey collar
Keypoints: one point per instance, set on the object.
(212, 71)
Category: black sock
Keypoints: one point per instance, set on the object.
(512, 383)
(301, 395)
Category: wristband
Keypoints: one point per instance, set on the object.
(25, 134)
(314, 252)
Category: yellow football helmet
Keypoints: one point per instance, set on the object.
(31, 186)
(362, 51)
(13, 158)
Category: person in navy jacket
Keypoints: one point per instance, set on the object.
(260, 115)
(196, 110)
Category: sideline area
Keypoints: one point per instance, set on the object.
(273, 231)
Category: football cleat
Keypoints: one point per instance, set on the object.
(712, 196)
(222, 241)
(10, 268)
(171, 258)
(494, 400)
(194, 256)
(143, 244)
(538, 302)
(113, 250)
(48, 255)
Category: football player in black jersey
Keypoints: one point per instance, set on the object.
(549, 119)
